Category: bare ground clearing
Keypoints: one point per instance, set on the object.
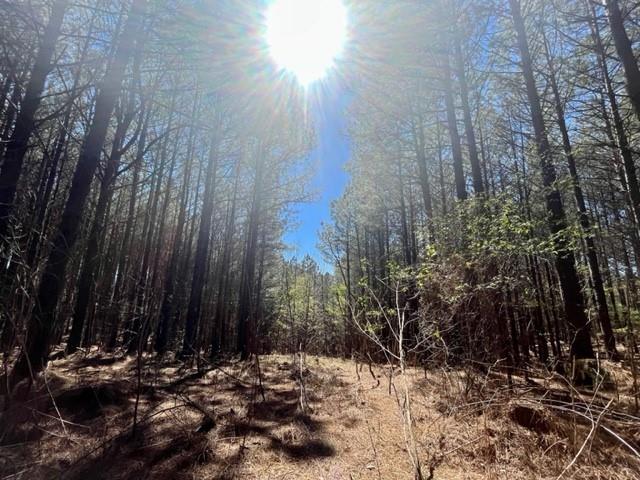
(217, 424)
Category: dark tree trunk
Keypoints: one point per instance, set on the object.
(124, 262)
(565, 262)
(476, 171)
(425, 186)
(137, 321)
(201, 258)
(625, 52)
(9, 117)
(513, 328)
(167, 308)
(630, 176)
(18, 144)
(452, 123)
(246, 295)
(408, 260)
(443, 190)
(91, 257)
(34, 356)
(585, 222)
(541, 340)
(218, 340)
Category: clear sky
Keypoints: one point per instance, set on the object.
(329, 156)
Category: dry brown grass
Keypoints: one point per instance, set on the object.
(467, 424)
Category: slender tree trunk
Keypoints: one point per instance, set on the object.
(42, 206)
(124, 262)
(108, 275)
(487, 167)
(560, 332)
(443, 191)
(565, 262)
(452, 122)
(585, 222)
(626, 54)
(630, 176)
(476, 171)
(9, 117)
(137, 319)
(246, 295)
(218, 341)
(541, 340)
(34, 357)
(403, 218)
(91, 258)
(4, 93)
(513, 328)
(167, 308)
(18, 144)
(201, 258)
(421, 159)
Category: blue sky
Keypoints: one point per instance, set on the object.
(328, 158)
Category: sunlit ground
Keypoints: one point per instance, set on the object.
(306, 37)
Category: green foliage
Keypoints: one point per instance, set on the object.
(485, 228)
(308, 308)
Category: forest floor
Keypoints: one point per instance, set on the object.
(220, 423)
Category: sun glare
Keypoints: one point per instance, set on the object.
(306, 37)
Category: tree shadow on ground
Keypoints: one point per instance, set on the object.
(171, 446)
(167, 454)
(281, 409)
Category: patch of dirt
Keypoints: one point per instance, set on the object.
(88, 401)
(530, 418)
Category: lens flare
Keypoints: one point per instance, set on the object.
(305, 37)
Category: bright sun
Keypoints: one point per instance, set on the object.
(306, 36)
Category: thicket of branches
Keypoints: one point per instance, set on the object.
(150, 152)
(494, 180)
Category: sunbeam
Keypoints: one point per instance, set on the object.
(305, 37)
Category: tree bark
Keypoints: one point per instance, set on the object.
(565, 262)
(91, 257)
(452, 122)
(585, 222)
(167, 307)
(201, 258)
(476, 171)
(630, 176)
(34, 356)
(625, 52)
(245, 298)
(219, 337)
(18, 144)
(124, 263)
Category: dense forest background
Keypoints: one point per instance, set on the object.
(484, 256)
(151, 154)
